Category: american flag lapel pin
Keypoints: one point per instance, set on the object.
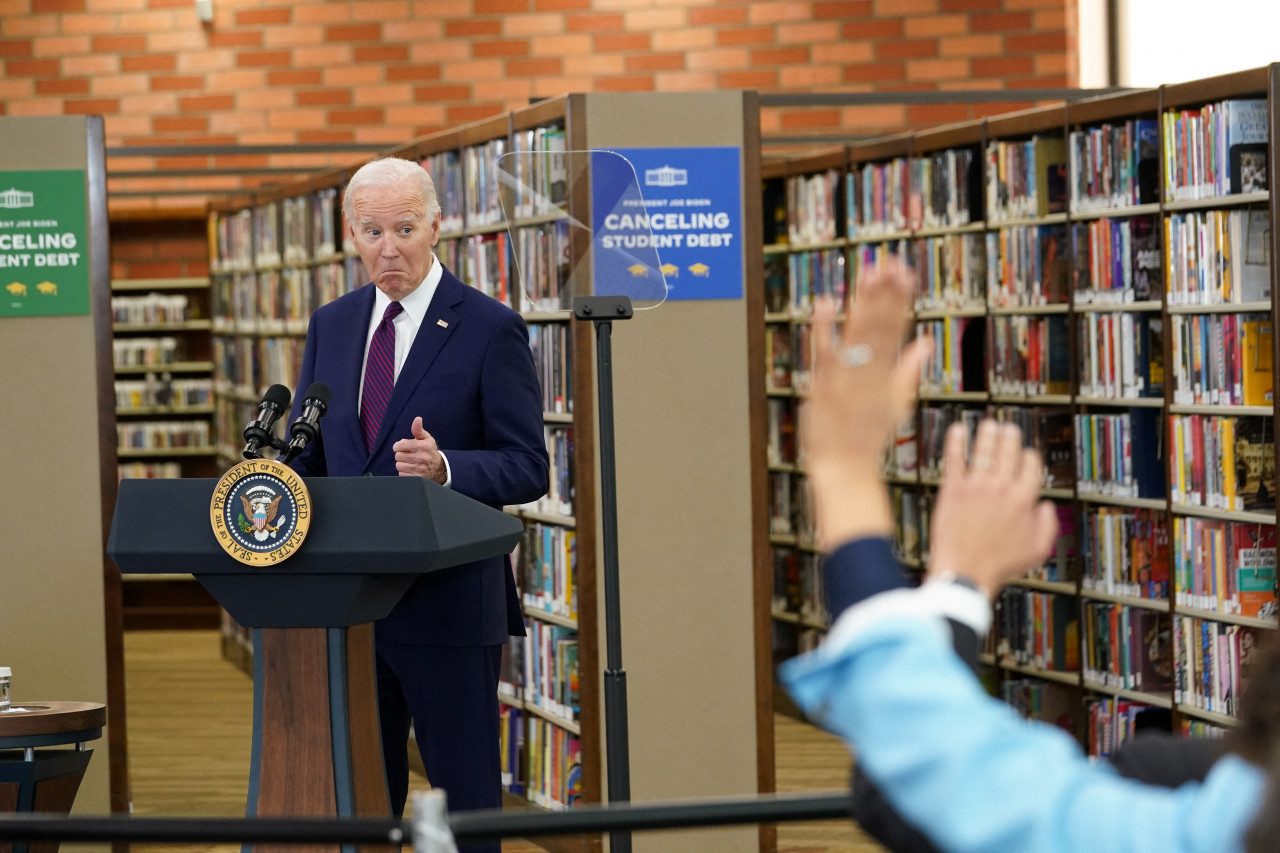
(444, 324)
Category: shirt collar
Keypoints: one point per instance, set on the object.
(415, 305)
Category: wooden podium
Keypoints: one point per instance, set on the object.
(316, 743)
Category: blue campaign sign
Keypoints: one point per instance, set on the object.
(681, 214)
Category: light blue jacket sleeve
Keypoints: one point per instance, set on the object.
(975, 776)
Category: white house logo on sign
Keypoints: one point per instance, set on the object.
(15, 198)
(667, 176)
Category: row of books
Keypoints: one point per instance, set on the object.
(445, 168)
(1212, 663)
(1110, 722)
(957, 361)
(1038, 629)
(811, 203)
(1217, 150)
(559, 496)
(1223, 462)
(934, 423)
(483, 188)
(1048, 430)
(1114, 165)
(781, 445)
(539, 760)
(1218, 256)
(1121, 354)
(484, 260)
(1222, 359)
(788, 356)
(1225, 566)
(951, 269)
(276, 301)
(1126, 647)
(1126, 552)
(1119, 454)
(147, 352)
(548, 559)
(162, 391)
(161, 435)
(539, 169)
(543, 267)
(1029, 355)
(790, 510)
(912, 514)
(797, 585)
(551, 676)
(148, 471)
(553, 357)
(811, 275)
(248, 365)
(1115, 260)
(1028, 265)
(1046, 701)
(1025, 178)
(230, 416)
(940, 190)
(152, 308)
(876, 198)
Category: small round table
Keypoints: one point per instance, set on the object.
(33, 779)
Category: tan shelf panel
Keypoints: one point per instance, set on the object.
(1057, 587)
(1263, 411)
(1119, 500)
(122, 285)
(161, 328)
(172, 367)
(1223, 308)
(1134, 695)
(1052, 308)
(1069, 678)
(1116, 307)
(1236, 200)
(552, 618)
(1116, 212)
(1224, 720)
(1123, 402)
(1222, 514)
(163, 452)
(1160, 604)
(564, 723)
(165, 411)
(1228, 618)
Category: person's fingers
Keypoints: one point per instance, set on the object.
(1046, 527)
(906, 375)
(418, 431)
(1030, 471)
(823, 341)
(953, 456)
(982, 458)
(881, 307)
(1008, 451)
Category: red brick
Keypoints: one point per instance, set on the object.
(472, 28)
(916, 49)
(1004, 21)
(91, 106)
(873, 29)
(64, 86)
(748, 79)
(241, 38)
(170, 83)
(625, 84)
(751, 35)
(535, 67)
(937, 113)
(325, 98)
(414, 72)
(712, 17)
(811, 118)
(182, 124)
(464, 113)
(1039, 43)
(442, 93)
(513, 47)
(593, 23)
(971, 5)
(655, 62)
(308, 77)
(842, 9)
(633, 41)
(361, 115)
(875, 71)
(499, 7)
(992, 109)
(1002, 66)
(560, 5)
(168, 4)
(262, 58)
(353, 32)
(163, 269)
(149, 62)
(41, 7)
(206, 103)
(119, 44)
(325, 137)
(380, 53)
(31, 67)
(15, 47)
(258, 17)
(780, 56)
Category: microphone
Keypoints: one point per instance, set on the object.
(306, 428)
(258, 433)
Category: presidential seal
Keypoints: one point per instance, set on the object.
(260, 512)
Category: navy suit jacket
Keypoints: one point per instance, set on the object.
(470, 376)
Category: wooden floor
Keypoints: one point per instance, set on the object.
(190, 709)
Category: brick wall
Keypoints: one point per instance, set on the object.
(383, 71)
(173, 247)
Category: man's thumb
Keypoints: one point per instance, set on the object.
(418, 431)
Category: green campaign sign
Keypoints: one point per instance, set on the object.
(44, 244)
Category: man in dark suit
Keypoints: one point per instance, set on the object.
(430, 378)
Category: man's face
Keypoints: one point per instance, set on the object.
(393, 235)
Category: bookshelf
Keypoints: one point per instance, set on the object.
(1085, 281)
(703, 726)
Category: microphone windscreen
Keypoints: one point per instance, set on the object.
(279, 396)
(319, 392)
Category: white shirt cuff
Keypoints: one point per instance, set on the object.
(935, 598)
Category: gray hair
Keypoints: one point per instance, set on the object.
(386, 171)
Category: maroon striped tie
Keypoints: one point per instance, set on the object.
(379, 375)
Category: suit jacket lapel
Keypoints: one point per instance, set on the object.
(354, 333)
(426, 346)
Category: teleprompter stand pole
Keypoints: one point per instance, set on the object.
(602, 311)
